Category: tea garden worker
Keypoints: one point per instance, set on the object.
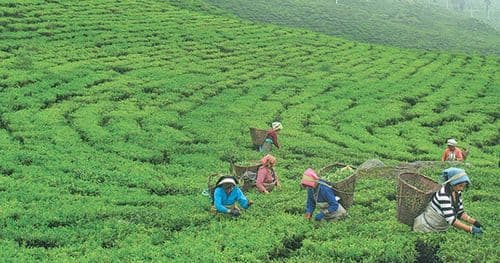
(452, 152)
(226, 194)
(446, 207)
(267, 178)
(321, 194)
(271, 137)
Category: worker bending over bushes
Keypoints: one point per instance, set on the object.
(226, 194)
(321, 194)
(271, 138)
(267, 178)
(446, 207)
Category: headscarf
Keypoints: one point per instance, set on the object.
(309, 178)
(455, 176)
(451, 142)
(277, 126)
(268, 158)
(227, 180)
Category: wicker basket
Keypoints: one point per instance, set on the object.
(240, 170)
(414, 194)
(332, 166)
(258, 136)
(345, 188)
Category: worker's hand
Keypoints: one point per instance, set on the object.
(235, 212)
(308, 216)
(476, 230)
(319, 216)
(250, 203)
(477, 224)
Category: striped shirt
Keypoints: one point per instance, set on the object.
(442, 203)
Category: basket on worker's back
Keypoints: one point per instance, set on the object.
(258, 137)
(246, 174)
(344, 189)
(414, 194)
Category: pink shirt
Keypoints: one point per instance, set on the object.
(265, 175)
(455, 155)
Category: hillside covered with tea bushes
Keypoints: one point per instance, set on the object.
(113, 115)
(420, 24)
(486, 10)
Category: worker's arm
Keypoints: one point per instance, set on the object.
(458, 224)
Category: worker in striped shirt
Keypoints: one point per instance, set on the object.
(446, 207)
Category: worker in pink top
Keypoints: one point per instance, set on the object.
(267, 178)
(452, 152)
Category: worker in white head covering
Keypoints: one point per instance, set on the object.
(452, 152)
(226, 194)
(271, 137)
(277, 126)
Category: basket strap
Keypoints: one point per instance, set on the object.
(334, 188)
(347, 193)
(400, 192)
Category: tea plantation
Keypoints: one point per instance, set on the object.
(114, 113)
(421, 24)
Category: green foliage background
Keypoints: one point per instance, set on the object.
(410, 24)
(113, 114)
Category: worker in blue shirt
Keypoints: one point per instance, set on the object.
(321, 194)
(226, 194)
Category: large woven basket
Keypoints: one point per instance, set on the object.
(240, 170)
(345, 188)
(414, 194)
(258, 136)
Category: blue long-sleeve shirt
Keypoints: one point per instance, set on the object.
(222, 199)
(324, 194)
